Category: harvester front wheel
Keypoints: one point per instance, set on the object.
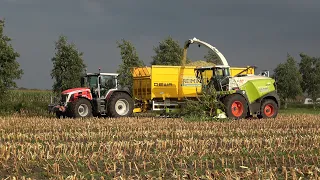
(235, 106)
(269, 109)
(81, 108)
(120, 105)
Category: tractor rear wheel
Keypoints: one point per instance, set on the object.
(235, 106)
(120, 105)
(269, 109)
(81, 108)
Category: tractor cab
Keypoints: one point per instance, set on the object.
(216, 76)
(100, 83)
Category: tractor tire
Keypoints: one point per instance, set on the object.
(120, 105)
(268, 109)
(236, 106)
(81, 108)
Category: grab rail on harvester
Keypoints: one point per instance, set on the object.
(237, 75)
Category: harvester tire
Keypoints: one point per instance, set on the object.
(236, 106)
(269, 109)
(81, 108)
(120, 105)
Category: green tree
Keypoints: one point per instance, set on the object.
(310, 69)
(211, 57)
(9, 67)
(169, 52)
(68, 66)
(130, 59)
(288, 80)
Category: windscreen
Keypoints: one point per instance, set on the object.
(108, 82)
(89, 81)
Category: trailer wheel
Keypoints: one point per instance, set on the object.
(269, 109)
(235, 106)
(81, 108)
(120, 105)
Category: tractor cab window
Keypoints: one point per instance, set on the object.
(89, 81)
(107, 82)
(93, 81)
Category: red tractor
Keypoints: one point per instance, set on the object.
(99, 95)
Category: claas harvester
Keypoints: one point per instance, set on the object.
(166, 88)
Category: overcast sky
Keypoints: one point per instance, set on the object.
(247, 32)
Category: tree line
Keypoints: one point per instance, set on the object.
(297, 78)
(68, 66)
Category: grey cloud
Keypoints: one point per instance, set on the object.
(247, 32)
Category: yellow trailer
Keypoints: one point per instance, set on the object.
(160, 87)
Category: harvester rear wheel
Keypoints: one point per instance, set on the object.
(269, 109)
(235, 106)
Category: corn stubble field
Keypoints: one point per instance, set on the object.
(143, 148)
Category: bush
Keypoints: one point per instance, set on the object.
(204, 107)
(27, 102)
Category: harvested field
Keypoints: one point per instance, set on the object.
(133, 148)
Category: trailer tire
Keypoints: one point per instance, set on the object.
(236, 106)
(81, 108)
(269, 109)
(120, 105)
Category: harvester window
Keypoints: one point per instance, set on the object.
(206, 76)
(219, 72)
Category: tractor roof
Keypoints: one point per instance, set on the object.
(106, 74)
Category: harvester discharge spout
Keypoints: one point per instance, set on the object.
(199, 42)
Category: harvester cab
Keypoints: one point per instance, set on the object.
(216, 76)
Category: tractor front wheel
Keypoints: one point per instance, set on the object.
(235, 106)
(81, 108)
(269, 109)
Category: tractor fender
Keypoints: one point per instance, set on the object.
(71, 103)
(111, 92)
(79, 97)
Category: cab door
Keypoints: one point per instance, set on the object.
(107, 83)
